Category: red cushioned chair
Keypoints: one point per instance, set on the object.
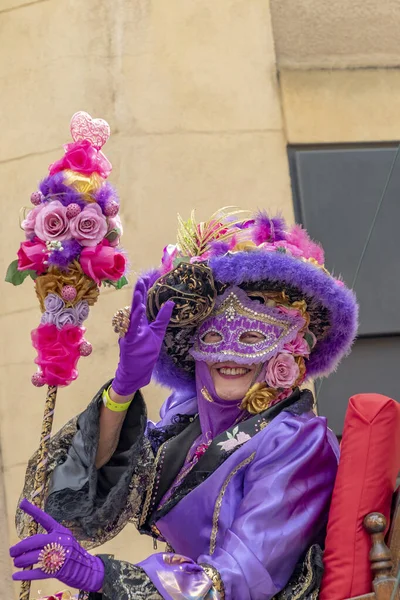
(359, 565)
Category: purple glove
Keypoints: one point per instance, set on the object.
(57, 554)
(140, 347)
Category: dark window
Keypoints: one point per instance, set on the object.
(336, 193)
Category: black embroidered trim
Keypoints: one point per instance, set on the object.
(159, 435)
(305, 581)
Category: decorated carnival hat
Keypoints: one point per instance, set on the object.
(266, 258)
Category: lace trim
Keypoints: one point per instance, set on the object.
(123, 581)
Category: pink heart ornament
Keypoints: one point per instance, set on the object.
(84, 127)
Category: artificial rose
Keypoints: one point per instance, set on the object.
(102, 262)
(65, 317)
(258, 398)
(82, 310)
(114, 230)
(53, 303)
(289, 248)
(47, 318)
(90, 226)
(28, 224)
(52, 222)
(170, 253)
(58, 352)
(297, 347)
(282, 371)
(31, 255)
(83, 158)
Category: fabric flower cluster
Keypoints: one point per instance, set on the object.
(72, 242)
(283, 372)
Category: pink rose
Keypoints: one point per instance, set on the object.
(291, 312)
(28, 224)
(282, 371)
(297, 347)
(90, 226)
(114, 230)
(290, 248)
(58, 352)
(83, 158)
(52, 222)
(102, 262)
(169, 255)
(31, 256)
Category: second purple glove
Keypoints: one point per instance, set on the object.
(140, 347)
(57, 554)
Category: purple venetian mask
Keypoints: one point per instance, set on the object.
(235, 315)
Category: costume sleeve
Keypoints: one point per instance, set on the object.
(95, 503)
(287, 486)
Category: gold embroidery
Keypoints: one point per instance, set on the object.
(215, 577)
(149, 494)
(206, 394)
(218, 502)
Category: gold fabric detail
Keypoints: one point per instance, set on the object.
(55, 280)
(206, 394)
(215, 577)
(149, 492)
(86, 185)
(218, 502)
(258, 398)
(302, 370)
(299, 586)
(314, 262)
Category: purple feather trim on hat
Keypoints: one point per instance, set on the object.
(268, 230)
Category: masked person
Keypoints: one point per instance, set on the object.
(237, 475)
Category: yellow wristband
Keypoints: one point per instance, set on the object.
(114, 406)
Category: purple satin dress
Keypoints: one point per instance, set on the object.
(253, 517)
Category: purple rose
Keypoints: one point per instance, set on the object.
(282, 371)
(90, 226)
(53, 303)
(52, 222)
(68, 316)
(47, 318)
(28, 224)
(82, 310)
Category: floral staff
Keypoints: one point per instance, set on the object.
(71, 248)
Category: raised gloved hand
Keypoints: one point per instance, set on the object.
(140, 347)
(57, 554)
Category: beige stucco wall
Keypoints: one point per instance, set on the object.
(190, 90)
(339, 72)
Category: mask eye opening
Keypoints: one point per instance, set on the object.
(251, 337)
(211, 337)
